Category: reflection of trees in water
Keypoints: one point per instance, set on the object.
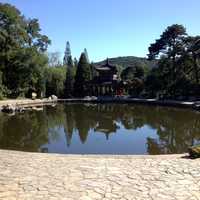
(26, 131)
(176, 129)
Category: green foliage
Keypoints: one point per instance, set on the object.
(82, 78)
(177, 74)
(131, 61)
(135, 86)
(132, 72)
(55, 79)
(22, 59)
(69, 82)
(169, 43)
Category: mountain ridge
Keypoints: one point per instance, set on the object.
(129, 61)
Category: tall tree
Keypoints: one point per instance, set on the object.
(170, 46)
(192, 46)
(54, 59)
(69, 82)
(67, 56)
(75, 63)
(86, 54)
(22, 58)
(82, 78)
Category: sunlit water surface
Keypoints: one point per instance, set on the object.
(101, 129)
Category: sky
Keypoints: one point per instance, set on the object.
(108, 28)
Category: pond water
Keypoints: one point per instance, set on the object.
(101, 129)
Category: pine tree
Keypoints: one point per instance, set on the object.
(75, 63)
(82, 78)
(67, 57)
(86, 54)
(69, 82)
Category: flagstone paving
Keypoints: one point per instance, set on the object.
(27, 176)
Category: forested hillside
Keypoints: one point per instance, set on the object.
(131, 61)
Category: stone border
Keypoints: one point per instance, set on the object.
(108, 156)
(29, 103)
(170, 103)
(21, 105)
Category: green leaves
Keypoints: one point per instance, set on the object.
(169, 43)
(22, 61)
(178, 69)
(83, 76)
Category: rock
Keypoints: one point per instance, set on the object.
(20, 109)
(53, 97)
(33, 95)
(37, 108)
(194, 151)
(9, 108)
(197, 106)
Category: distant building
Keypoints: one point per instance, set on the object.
(106, 81)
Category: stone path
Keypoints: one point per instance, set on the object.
(75, 177)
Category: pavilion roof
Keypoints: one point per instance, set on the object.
(106, 67)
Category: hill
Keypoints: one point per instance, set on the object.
(130, 61)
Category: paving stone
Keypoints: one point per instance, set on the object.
(27, 176)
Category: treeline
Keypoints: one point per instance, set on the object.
(71, 79)
(25, 66)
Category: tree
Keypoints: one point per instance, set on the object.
(54, 59)
(192, 46)
(68, 55)
(22, 59)
(132, 72)
(135, 86)
(169, 48)
(169, 45)
(86, 54)
(69, 82)
(75, 63)
(82, 78)
(55, 81)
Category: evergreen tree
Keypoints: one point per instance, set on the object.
(67, 57)
(82, 78)
(69, 82)
(86, 54)
(92, 67)
(169, 48)
(192, 46)
(75, 63)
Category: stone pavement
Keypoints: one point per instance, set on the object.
(76, 177)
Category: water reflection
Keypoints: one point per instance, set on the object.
(102, 128)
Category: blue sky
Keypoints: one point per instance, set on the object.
(109, 28)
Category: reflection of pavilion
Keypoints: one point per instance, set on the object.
(106, 127)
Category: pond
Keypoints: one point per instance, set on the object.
(101, 129)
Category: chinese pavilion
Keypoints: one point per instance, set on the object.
(106, 81)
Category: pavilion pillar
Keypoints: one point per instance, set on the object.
(110, 90)
(107, 89)
(96, 90)
(101, 90)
